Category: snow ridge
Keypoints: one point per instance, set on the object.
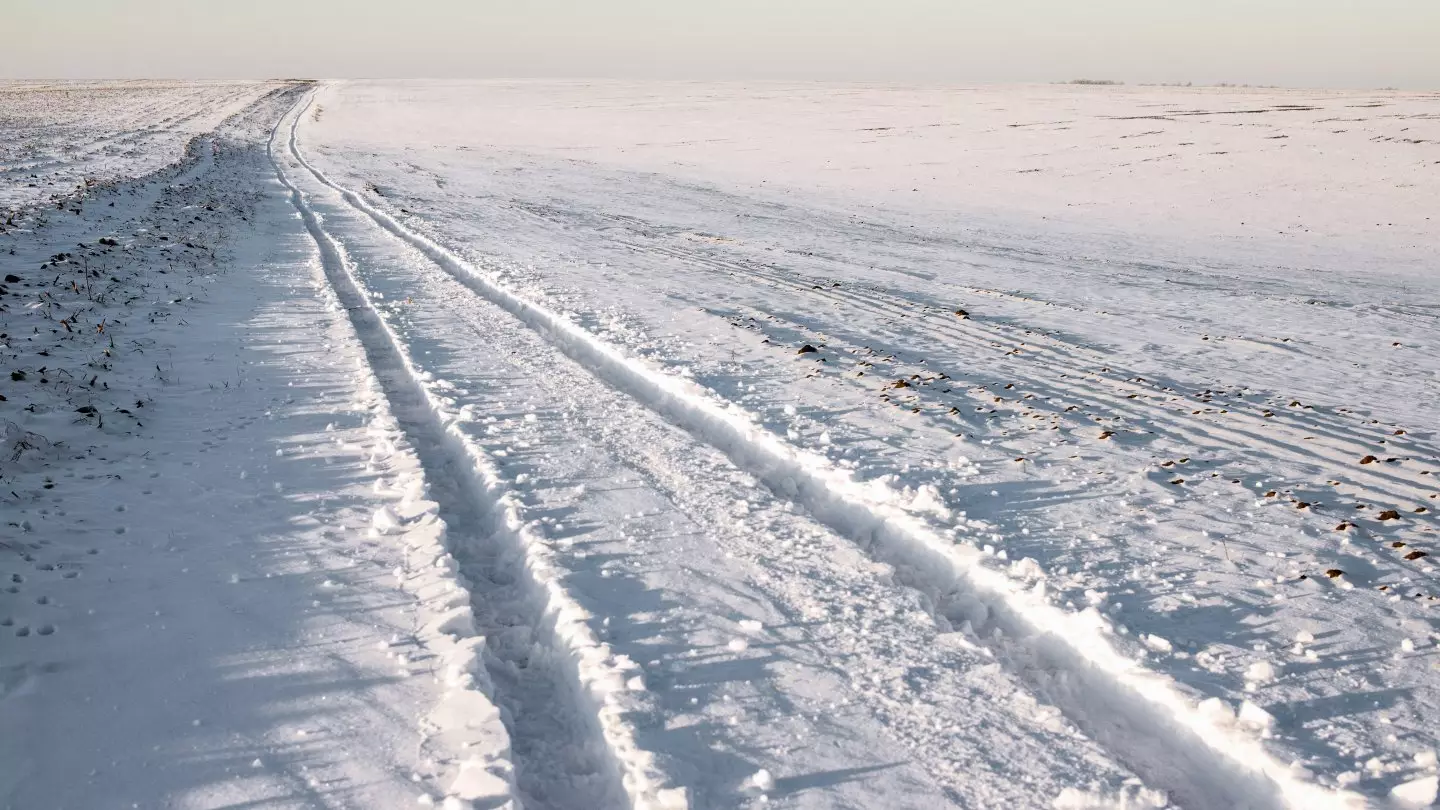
(1203, 757)
(608, 685)
(466, 720)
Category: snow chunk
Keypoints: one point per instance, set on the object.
(479, 780)
(458, 621)
(1129, 797)
(671, 799)
(1416, 793)
(1027, 569)
(1259, 672)
(386, 521)
(1217, 711)
(927, 499)
(1157, 643)
(1255, 717)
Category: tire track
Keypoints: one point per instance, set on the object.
(924, 705)
(599, 684)
(1142, 717)
(1340, 435)
(1132, 398)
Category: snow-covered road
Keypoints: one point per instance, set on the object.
(492, 475)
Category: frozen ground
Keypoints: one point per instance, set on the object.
(653, 446)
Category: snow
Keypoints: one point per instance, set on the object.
(447, 444)
(64, 136)
(1416, 793)
(1219, 168)
(763, 781)
(183, 602)
(1255, 717)
(1131, 798)
(1260, 672)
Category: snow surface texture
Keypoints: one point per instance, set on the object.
(225, 581)
(57, 137)
(592, 446)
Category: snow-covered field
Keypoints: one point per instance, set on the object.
(605, 445)
(59, 137)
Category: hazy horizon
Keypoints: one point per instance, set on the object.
(1283, 42)
(1324, 43)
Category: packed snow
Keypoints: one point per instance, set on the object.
(592, 446)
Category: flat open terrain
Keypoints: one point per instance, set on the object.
(64, 136)
(610, 445)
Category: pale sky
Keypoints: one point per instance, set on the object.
(1306, 43)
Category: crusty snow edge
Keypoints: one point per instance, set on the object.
(608, 686)
(1202, 756)
(466, 722)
